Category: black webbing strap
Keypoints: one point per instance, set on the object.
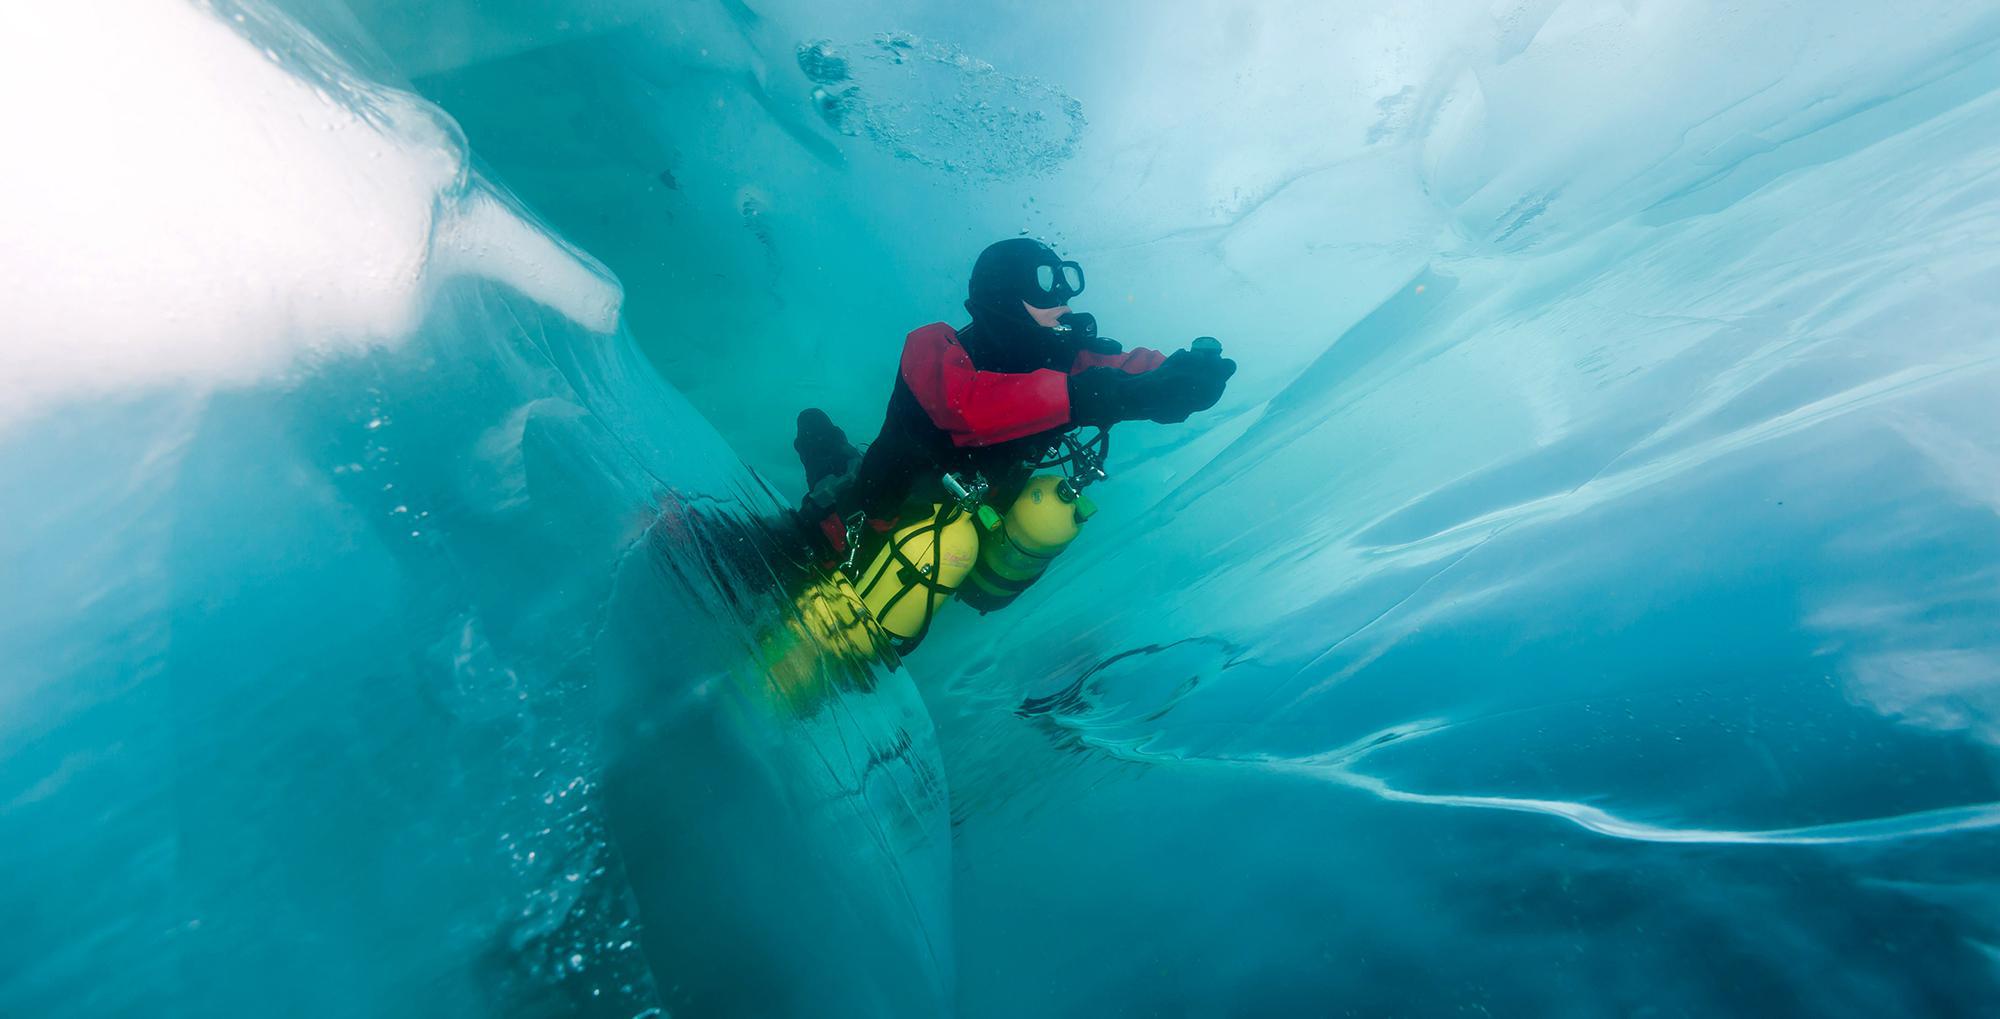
(913, 576)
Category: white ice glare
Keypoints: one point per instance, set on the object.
(178, 208)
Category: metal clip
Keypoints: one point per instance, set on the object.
(854, 523)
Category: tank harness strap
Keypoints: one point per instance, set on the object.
(1020, 549)
(913, 577)
(1002, 583)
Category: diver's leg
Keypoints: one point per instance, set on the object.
(822, 447)
(830, 462)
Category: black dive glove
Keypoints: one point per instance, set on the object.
(1189, 381)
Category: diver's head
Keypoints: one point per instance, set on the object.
(1019, 297)
(1020, 275)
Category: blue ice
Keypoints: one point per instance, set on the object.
(1582, 603)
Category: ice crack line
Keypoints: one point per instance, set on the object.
(1944, 820)
(1337, 767)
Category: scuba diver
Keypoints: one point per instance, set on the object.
(976, 410)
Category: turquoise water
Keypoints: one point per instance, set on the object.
(1581, 603)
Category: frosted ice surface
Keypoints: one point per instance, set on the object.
(933, 103)
(198, 213)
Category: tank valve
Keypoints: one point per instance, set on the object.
(967, 496)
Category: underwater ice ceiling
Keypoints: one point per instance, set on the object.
(1581, 602)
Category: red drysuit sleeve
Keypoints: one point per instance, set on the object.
(980, 408)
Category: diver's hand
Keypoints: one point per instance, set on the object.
(1189, 381)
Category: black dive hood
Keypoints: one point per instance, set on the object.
(1004, 336)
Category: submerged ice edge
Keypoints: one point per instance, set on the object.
(1337, 767)
(226, 274)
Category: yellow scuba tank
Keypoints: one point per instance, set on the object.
(1044, 519)
(918, 571)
